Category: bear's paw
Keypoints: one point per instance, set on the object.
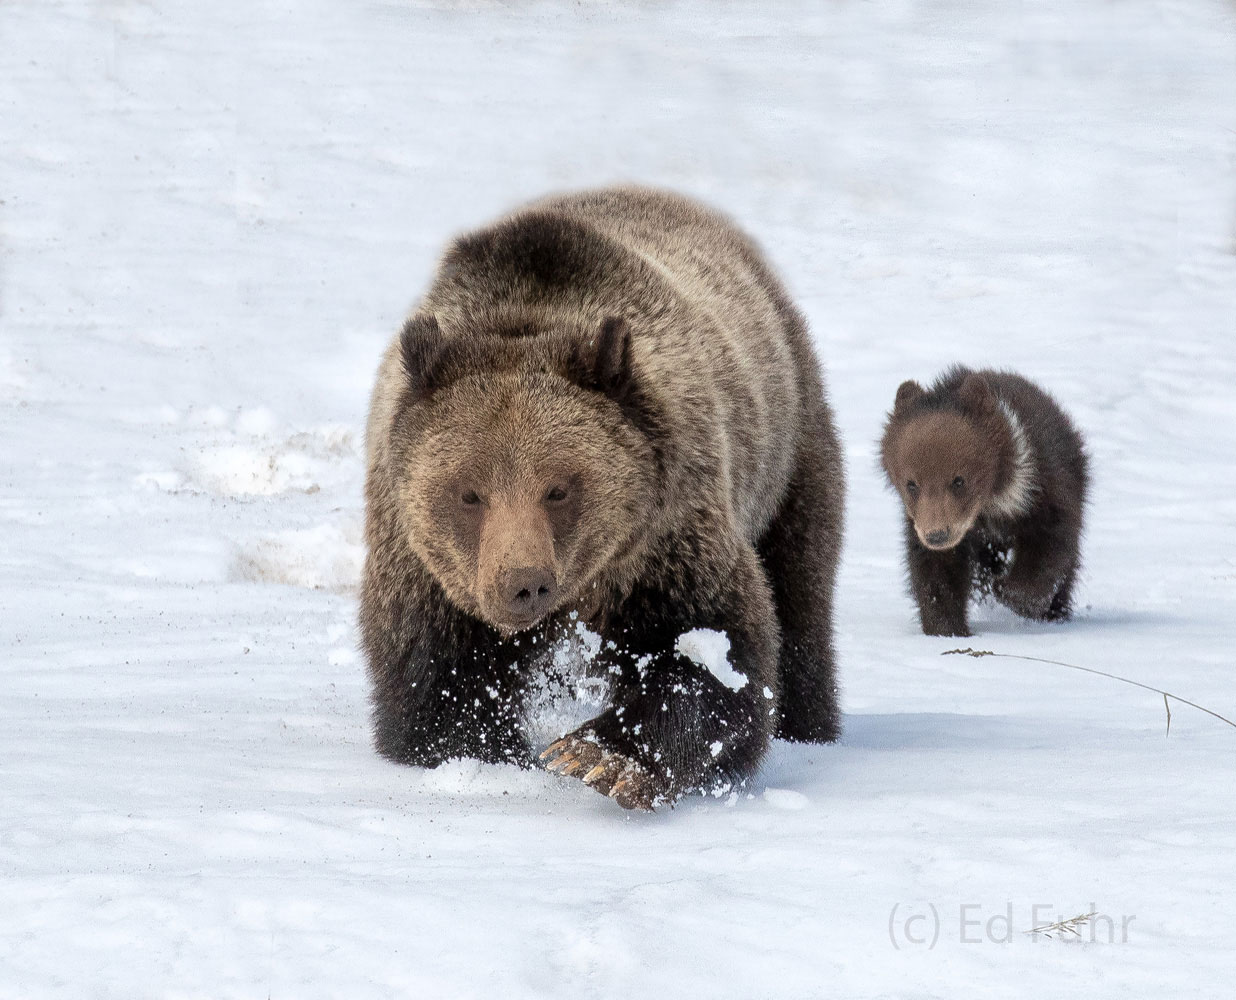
(624, 780)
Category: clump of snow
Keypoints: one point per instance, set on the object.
(711, 650)
(568, 687)
(786, 798)
(250, 463)
(590, 640)
(236, 470)
(325, 557)
(462, 779)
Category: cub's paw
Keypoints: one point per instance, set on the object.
(1025, 599)
(952, 629)
(625, 781)
(1061, 609)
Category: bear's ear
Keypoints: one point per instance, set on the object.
(907, 393)
(612, 366)
(421, 343)
(602, 363)
(975, 394)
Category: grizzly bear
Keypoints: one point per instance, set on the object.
(993, 477)
(605, 413)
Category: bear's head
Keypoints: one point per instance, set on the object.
(944, 457)
(525, 462)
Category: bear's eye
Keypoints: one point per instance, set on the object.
(555, 495)
(912, 488)
(470, 498)
(959, 483)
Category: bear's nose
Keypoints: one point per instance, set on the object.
(937, 537)
(528, 592)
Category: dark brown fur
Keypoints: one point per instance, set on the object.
(993, 478)
(605, 408)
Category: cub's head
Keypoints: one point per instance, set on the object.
(943, 456)
(524, 463)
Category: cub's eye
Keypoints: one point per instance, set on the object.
(958, 483)
(912, 488)
(556, 495)
(470, 498)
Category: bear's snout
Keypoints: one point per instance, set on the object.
(940, 538)
(518, 580)
(527, 593)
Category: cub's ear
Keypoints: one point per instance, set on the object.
(975, 394)
(603, 362)
(421, 343)
(907, 393)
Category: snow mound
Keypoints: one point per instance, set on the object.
(241, 471)
(786, 798)
(304, 462)
(465, 778)
(711, 650)
(325, 557)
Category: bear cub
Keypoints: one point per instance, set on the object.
(993, 476)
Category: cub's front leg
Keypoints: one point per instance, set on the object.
(689, 713)
(941, 581)
(1040, 582)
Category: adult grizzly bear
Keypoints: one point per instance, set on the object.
(605, 410)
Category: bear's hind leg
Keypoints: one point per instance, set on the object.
(800, 550)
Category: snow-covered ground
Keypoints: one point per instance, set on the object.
(213, 215)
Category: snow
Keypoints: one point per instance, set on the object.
(785, 798)
(711, 650)
(570, 688)
(212, 217)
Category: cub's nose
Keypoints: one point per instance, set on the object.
(938, 537)
(528, 592)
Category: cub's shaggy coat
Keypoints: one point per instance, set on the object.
(993, 476)
(605, 410)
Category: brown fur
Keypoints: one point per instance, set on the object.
(992, 476)
(605, 407)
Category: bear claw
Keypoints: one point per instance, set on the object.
(611, 774)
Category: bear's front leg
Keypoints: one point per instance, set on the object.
(444, 685)
(692, 711)
(941, 581)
